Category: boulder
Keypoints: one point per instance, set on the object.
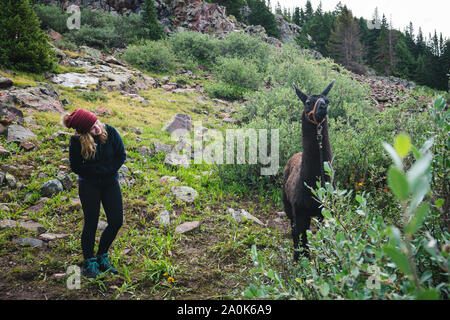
(177, 160)
(183, 193)
(187, 226)
(5, 83)
(51, 187)
(17, 133)
(73, 79)
(179, 122)
(164, 218)
(240, 215)
(9, 114)
(31, 242)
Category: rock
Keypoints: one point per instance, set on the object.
(168, 179)
(164, 218)
(5, 83)
(34, 243)
(281, 214)
(145, 151)
(162, 148)
(51, 187)
(183, 193)
(52, 236)
(17, 133)
(3, 154)
(184, 147)
(177, 160)
(113, 60)
(37, 207)
(66, 181)
(10, 180)
(187, 226)
(54, 35)
(10, 114)
(27, 225)
(241, 214)
(102, 225)
(73, 79)
(41, 98)
(75, 204)
(58, 276)
(180, 123)
(27, 145)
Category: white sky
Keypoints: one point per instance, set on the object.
(428, 14)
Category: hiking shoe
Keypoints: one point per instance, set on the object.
(90, 268)
(105, 264)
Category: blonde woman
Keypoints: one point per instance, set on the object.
(96, 153)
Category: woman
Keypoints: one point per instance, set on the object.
(96, 153)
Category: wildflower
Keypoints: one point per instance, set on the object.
(170, 280)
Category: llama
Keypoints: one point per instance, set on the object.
(305, 167)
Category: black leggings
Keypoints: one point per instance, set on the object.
(111, 198)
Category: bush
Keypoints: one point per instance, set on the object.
(355, 254)
(97, 37)
(151, 55)
(196, 46)
(222, 90)
(247, 47)
(238, 72)
(52, 17)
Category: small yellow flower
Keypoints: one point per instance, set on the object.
(165, 274)
(170, 280)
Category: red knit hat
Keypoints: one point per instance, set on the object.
(81, 120)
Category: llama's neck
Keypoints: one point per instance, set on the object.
(310, 167)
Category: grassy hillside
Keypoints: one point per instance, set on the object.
(218, 259)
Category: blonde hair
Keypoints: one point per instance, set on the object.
(87, 141)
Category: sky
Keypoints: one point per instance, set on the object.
(428, 14)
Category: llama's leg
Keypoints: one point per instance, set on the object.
(295, 231)
(303, 224)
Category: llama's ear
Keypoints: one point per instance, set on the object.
(303, 97)
(327, 90)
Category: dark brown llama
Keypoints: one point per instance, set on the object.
(306, 167)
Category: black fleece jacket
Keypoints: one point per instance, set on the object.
(108, 159)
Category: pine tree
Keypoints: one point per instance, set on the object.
(261, 15)
(296, 16)
(406, 63)
(344, 44)
(309, 11)
(154, 29)
(23, 45)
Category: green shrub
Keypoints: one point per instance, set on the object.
(152, 56)
(92, 96)
(355, 254)
(199, 47)
(97, 37)
(52, 17)
(238, 72)
(222, 90)
(247, 47)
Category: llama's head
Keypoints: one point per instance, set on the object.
(316, 106)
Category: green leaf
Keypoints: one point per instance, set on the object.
(419, 169)
(399, 258)
(402, 145)
(428, 294)
(398, 183)
(394, 155)
(326, 213)
(439, 202)
(417, 220)
(325, 289)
